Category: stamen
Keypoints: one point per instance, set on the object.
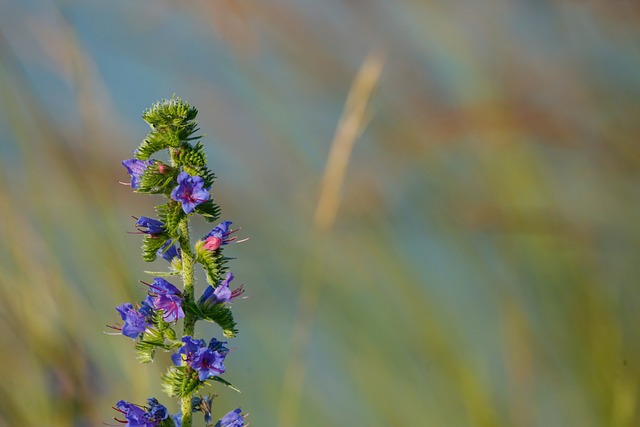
(237, 292)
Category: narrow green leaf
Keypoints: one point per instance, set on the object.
(225, 382)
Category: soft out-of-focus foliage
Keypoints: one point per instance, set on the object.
(482, 269)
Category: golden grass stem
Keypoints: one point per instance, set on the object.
(349, 129)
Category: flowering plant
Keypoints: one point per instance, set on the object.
(185, 183)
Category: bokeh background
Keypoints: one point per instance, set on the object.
(469, 257)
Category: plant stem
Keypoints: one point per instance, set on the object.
(186, 411)
(187, 274)
(188, 293)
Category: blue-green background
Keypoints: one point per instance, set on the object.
(483, 269)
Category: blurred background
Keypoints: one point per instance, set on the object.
(465, 255)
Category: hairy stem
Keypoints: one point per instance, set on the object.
(186, 411)
(188, 293)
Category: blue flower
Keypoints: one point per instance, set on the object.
(190, 192)
(138, 416)
(215, 345)
(177, 419)
(156, 410)
(220, 294)
(206, 408)
(206, 361)
(147, 307)
(188, 350)
(168, 251)
(136, 168)
(167, 298)
(232, 419)
(150, 226)
(135, 321)
(134, 414)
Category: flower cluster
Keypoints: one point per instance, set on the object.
(186, 185)
(135, 415)
(167, 298)
(205, 360)
(220, 294)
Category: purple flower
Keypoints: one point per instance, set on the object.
(167, 298)
(190, 192)
(168, 251)
(220, 294)
(207, 361)
(136, 168)
(232, 419)
(138, 416)
(134, 414)
(150, 226)
(135, 321)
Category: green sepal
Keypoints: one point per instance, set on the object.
(209, 210)
(157, 178)
(161, 336)
(166, 330)
(213, 263)
(181, 381)
(217, 313)
(146, 348)
(171, 213)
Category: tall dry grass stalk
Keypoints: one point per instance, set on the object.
(349, 128)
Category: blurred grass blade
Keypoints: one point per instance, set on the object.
(350, 126)
(347, 132)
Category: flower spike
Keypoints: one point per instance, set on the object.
(184, 181)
